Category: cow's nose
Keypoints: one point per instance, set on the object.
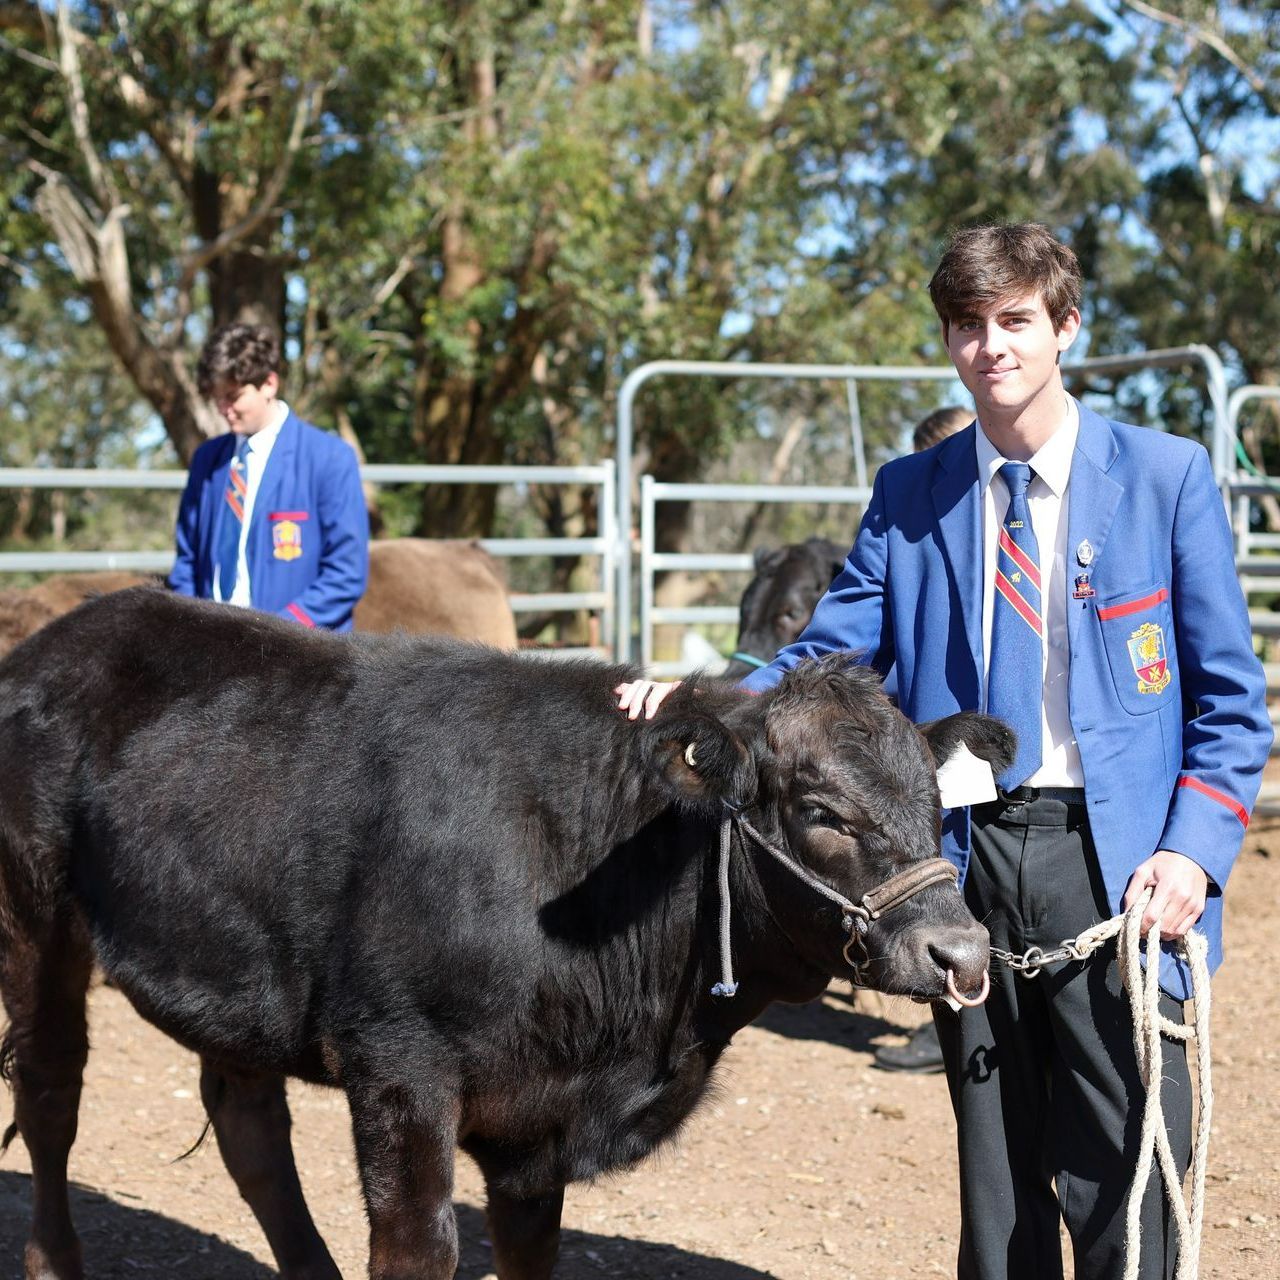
(964, 951)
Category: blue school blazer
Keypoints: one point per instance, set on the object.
(1167, 699)
(308, 545)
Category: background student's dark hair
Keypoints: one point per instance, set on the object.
(983, 266)
(239, 355)
(940, 424)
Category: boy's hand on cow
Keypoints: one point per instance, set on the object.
(1179, 888)
(643, 696)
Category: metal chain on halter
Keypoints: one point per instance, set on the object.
(1033, 959)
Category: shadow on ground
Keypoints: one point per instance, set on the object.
(121, 1241)
(586, 1256)
(840, 1017)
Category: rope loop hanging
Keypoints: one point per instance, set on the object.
(1142, 987)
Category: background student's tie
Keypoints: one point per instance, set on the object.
(232, 520)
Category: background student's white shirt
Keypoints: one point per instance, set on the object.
(260, 446)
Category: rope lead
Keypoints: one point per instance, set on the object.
(1149, 1024)
(726, 987)
(1142, 986)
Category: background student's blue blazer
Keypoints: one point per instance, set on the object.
(308, 544)
(1168, 763)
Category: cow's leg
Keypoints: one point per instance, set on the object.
(405, 1151)
(251, 1120)
(525, 1234)
(44, 977)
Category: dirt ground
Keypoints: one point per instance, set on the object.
(811, 1165)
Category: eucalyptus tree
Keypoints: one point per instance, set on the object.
(471, 219)
(156, 151)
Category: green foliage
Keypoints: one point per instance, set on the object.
(503, 207)
(67, 406)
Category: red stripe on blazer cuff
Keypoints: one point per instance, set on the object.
(1220, 796)
(299, 614)
(1134, 606)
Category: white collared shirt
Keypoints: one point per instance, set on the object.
(255, 462)
(1049, 501)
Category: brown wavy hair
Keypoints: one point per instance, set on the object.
(940, 424)
(240, 355)
(983, 266)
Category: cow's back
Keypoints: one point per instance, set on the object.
(285, 825)
(24, 610)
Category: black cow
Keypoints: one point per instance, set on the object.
(455, 883)
(780, 599)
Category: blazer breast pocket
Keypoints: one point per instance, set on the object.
(1137, 632)
(288, 534)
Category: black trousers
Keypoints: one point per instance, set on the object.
(1044, 1078)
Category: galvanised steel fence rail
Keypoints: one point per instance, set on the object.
(652, 561)
(1256, 561)
(605, 545)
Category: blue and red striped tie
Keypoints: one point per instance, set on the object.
(232, 521)
(1015, 676)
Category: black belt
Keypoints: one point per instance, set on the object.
(1027, 795)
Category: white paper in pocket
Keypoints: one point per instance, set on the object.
(964, 779)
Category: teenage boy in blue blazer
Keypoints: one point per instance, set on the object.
(1141, 742)
(273, 516)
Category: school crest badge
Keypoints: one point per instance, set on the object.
(286, 539)
(1150, 661)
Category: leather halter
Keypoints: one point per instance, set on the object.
(856, 917)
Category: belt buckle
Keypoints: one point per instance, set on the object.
(1011, 801)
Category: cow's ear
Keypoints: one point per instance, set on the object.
(837, 559)
(988, 738)
(699, 758)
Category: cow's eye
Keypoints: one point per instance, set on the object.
(814, 815)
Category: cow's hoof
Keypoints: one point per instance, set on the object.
(40, 1263)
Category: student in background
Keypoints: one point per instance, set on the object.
(273, 516)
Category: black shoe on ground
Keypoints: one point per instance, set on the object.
(921, 1055)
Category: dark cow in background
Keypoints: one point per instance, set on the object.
(416, 585)
(780, 599)
(455, 883)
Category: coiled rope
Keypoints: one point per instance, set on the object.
(1149, 1024)
(1142, 986)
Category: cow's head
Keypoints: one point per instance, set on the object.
(832, 773)
(779, 600)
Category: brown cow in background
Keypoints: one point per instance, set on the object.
(418, 586)
(439, 589)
